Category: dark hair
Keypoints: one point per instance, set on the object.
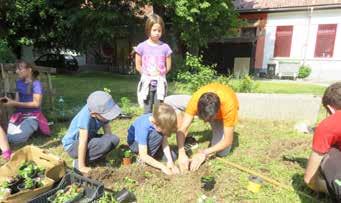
(154, 19)
(208, 105)
(332, 96)
(24, 64)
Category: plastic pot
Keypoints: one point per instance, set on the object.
(127, 161)
(207, 183)
(124, 196)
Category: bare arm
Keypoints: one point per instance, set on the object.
(151, 161)
(182, 131)
(107, 128)
(168, 63)
(37, 98)
(224, 143)
(4, 146)
(82, 148)
(311, 175)
(166, 150)
(138, 62)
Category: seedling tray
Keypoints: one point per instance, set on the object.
(92, 189)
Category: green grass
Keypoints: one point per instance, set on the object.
(289, 88)
(269, 147)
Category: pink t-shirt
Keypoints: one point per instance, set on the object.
(153, 57)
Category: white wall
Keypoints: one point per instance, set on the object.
(304, 40)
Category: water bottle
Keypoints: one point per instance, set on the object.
(61, 106)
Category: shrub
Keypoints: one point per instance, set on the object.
(195, 74)
(6, 55)
(128, 107)
(246, 84)
(304, 71)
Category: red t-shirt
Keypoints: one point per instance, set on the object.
(328, 134)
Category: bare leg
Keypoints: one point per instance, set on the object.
(4, 146)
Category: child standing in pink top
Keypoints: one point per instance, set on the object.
(153, 62)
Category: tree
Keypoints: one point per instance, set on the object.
(198, 21)
(31, 22)
(63, 24)
(98, 22)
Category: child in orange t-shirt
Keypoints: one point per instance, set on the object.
(214, 103)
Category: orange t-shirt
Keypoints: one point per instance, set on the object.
(229, 105)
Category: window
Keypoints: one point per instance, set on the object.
(283, 41)
(325, 40)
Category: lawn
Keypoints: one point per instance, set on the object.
(270, 147)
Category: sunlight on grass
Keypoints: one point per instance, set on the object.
(272, 148)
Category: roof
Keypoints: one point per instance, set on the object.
(273, 5)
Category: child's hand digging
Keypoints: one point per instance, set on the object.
(85, 170)
(173, 168)
(166, 171)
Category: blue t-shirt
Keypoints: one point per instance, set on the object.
(26, 94)
(82, 120)
(140, 130)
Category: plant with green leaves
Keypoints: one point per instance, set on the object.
(304, 71)
(69, 194)
(207, 178)
(29, 169)
(195, 74)
(128, 107)
(197, 22)
(246, 84)
(6, 55)
(128, 154)
(107, 197)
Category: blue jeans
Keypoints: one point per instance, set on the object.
(18, 134)
(154, 146)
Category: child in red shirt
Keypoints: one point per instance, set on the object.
(323, 173)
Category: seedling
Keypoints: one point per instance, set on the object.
(29, 169)
(107, 197)
(71, 193)
(207, 182)
(128, 154)
(127, 157)
(12, 183)
(30, 184)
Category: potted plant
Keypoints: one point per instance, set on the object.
(207, 182)
(30, 184)
(72, 193)
(29, 169)
(12, 183)
(127, 157)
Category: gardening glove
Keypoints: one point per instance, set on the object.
(183, 163)
(166, 171)
(197, 160)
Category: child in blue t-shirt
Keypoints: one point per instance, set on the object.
(81, 141)
(149, 132)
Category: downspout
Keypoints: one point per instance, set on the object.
(308, 34)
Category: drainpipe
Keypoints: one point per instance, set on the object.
(310, 14)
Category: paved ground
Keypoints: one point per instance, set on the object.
(293, 107)
(300, 81)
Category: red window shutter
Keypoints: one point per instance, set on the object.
(325, 40)
(283, 41)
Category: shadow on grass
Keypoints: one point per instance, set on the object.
(297, 160)
(306, 194)
(206, 135)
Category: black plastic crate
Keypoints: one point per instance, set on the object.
(92, 189)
